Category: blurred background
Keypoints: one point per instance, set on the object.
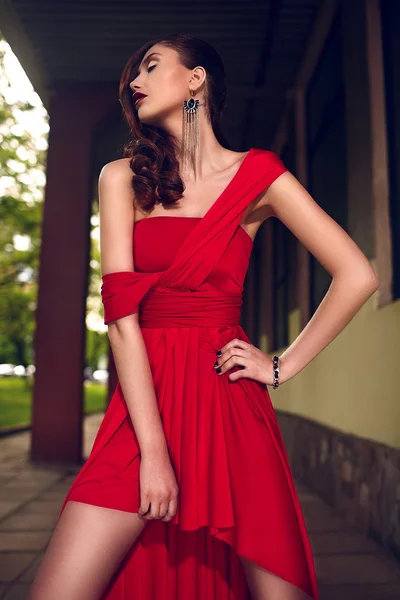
(24, 136)
(313, 80)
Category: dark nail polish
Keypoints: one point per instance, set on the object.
(219, 352)
(216, 364)
(219, 370)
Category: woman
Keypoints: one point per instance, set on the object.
(187, 492)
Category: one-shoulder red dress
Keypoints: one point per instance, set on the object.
(236, 491)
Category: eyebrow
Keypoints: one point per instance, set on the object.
(148, 58)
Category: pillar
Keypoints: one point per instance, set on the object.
(75, 111)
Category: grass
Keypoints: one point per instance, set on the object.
(16, 399)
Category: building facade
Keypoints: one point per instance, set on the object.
(340, 135)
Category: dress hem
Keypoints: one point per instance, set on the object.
(217, 532)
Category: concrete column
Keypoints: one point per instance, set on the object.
(75, 110)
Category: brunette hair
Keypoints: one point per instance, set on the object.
(152, 151)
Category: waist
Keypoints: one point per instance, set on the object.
(169, 307)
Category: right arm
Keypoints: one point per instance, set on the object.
(158, 485)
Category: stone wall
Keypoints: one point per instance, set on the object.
(359, 478)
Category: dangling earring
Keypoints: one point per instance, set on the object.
(190, 132)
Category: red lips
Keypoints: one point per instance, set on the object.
(138, 96)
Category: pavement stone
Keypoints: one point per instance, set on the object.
(355, 569)
(17, 592)
(348, 565)
(29, 575)
(13, 564)
(37, 507)
(23, 540)
(8, 506)
(360, 592)
(342, 542)
(28, 522)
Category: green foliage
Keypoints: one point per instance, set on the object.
(22, 180)
(16, 400)
(22, 166)
(96, 345)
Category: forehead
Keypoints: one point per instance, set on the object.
(157, 51)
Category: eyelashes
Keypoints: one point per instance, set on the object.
(148, 71)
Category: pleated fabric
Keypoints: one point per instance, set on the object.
(237, 496)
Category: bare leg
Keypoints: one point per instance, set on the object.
(86, 548)
(264, 585)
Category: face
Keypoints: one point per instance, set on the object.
(166, 83)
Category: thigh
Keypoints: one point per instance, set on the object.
(264, 585)
(85, 550)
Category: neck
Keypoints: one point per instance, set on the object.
(207, 156)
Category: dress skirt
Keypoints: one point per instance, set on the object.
(237, 496)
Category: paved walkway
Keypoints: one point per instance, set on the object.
(349, 567)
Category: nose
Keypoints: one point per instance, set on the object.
(134, 86)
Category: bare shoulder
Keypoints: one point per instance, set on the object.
(116, 210)
(116, 171)
(114, 187)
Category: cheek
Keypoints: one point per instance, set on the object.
(173, 85)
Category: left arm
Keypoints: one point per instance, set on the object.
(354, 281)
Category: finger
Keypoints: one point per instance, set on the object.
(230, 354)
(235, 342)
(240, 374)
(146, 516)
(163, 509)
(155, 510)
(233, 361)
(144, 505)
(172, 508)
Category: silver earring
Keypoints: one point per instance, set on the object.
(190, 131)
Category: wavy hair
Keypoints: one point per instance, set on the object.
(156, 178)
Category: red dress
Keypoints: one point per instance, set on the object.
(236, 491)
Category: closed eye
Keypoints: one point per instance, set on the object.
(152, 67)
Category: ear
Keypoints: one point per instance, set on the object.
(198, 76)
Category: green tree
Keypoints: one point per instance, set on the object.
(22, 181)
(22, 168)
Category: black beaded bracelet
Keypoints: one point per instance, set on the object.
(276, 364)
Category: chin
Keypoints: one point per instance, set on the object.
(149, 118)
(143, 114)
